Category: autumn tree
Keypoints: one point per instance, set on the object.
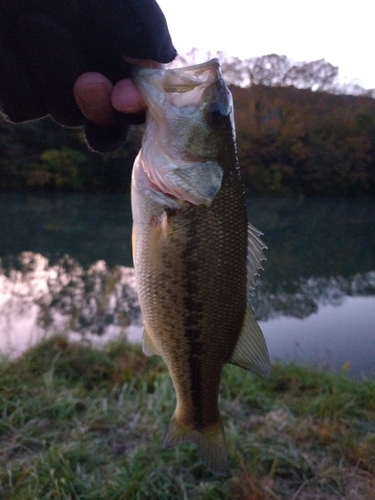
(298, 142)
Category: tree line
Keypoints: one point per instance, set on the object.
(296, 135)
(43, 155)
(299, 142)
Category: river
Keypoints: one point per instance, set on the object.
(66, 267)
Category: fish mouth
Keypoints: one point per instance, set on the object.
(181, 80)
(174, 81)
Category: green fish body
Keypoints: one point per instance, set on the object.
(195, 255)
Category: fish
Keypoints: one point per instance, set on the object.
(196, 257)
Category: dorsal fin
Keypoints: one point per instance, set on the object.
(255, 255)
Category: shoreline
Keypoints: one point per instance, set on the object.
(83, 422)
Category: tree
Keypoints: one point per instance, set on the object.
(275, 70)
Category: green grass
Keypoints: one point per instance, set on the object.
(78, 422)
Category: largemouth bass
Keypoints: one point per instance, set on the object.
(195, 255)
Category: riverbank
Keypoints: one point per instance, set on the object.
(79, 422)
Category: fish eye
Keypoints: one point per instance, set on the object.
(216, 113)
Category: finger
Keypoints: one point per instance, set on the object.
(92, 92)
(126, 98)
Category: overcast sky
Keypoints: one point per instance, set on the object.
(341, 32)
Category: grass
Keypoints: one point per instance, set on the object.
(77, 422)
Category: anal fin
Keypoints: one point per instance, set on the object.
(251, 350)
(148, 345)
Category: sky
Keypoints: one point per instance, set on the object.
(341, 32)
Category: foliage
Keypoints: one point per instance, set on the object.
(79, 423)
(295, 136)
(298, 142)
(44, 155)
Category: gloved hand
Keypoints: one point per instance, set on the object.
(45, 45)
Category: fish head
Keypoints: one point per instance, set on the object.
(189, 131)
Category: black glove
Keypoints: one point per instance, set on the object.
(46, 44)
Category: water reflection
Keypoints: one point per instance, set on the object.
(334, 337)
(320, 251)
(86, 227)
(301, 297)
(50, 296)
(65, 265)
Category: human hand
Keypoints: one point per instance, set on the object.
(98, 99)
(55, 55)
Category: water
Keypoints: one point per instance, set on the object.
(66, 266)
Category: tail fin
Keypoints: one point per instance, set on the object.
(209, 440)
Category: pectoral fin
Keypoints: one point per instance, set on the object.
(251, 350)
(197, 182)
(148, 346)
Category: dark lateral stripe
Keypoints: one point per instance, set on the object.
(195, 378)
(193, 333)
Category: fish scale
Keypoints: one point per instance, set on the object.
(192, 259)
